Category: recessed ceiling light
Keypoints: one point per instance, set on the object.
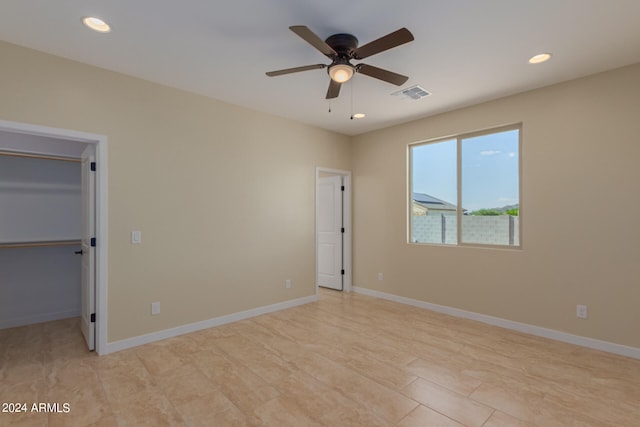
(96, 24)
(541, 57)
(359, 116)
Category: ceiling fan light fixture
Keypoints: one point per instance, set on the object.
(341, 73)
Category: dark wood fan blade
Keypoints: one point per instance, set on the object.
(387, 42)
(334, 89)
(382, 74)
(295, 70)
(310, 37)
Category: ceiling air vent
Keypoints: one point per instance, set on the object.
(414, 92)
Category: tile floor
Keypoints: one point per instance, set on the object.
(348, 360)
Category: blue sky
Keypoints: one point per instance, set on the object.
(489, 170)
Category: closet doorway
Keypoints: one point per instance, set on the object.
(53, 216)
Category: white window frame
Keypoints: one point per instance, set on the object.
(459, 213)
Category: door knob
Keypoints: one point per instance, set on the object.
(78, 252)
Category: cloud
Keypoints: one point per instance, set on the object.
(512, 154)
(490, 152)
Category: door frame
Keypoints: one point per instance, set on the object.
(101, 211)
(346, 212)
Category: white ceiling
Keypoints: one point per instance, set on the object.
(465, 51)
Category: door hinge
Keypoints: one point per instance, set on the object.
(93, 166)
(342, 272)
(93, 318)
(342, 230)
(342, 188)
(93, 242)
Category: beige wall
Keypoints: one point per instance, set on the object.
(224, 196)
(580, 203)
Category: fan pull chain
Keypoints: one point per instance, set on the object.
(351, 87)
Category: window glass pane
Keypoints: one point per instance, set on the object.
(434, 191)
(490, 189)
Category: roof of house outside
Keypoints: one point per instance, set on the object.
(431, 202)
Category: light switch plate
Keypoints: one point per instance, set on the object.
(136, 237)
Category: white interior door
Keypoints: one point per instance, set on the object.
(329, 229)
(88, 288)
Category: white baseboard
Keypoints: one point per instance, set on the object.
(38, 318)
(508, 324)
(205, 324)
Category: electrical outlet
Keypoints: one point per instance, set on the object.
(581, 311)
(155, 308)
(380, 276)
(136, 237)
(287, 283)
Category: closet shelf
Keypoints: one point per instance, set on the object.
(41, 187)
(37, 244)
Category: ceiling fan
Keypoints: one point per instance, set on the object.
(341, 49)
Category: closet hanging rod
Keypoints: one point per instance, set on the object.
(40, 244)
(38, 156)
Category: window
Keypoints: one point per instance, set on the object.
(466, 189)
